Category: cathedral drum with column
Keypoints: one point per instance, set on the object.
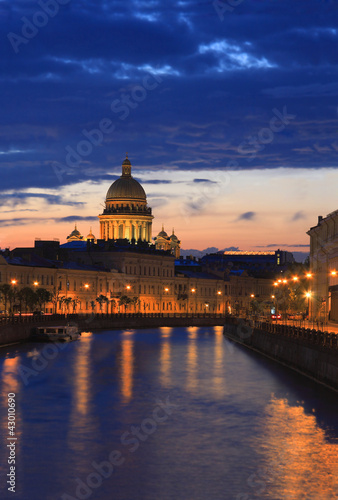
(126, 214)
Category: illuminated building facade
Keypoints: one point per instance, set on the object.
(324, 267)
(149, 282)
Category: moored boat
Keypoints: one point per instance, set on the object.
(55, 333)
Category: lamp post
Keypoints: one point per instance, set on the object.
(12, 297)
(86, 286)
(219, 293)
(252, 296)
(166, 291)
(308, 295)
(193, 291)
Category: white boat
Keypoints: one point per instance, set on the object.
(55, 333)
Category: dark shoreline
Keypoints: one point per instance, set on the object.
(19, 331)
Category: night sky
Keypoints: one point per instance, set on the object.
(227, 108)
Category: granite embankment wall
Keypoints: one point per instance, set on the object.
(313, 353)
(19, 329)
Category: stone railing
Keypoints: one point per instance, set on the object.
(244, 330)
(316, 337)
(48, 318)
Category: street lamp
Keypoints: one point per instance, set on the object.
(219, 293)
(251, 306)
(193, 290)
(36, 283)
(308, 295)
(12, 298)
(162, 304)
(86, 286)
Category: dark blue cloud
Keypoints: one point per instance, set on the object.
(247, 216)
(204, 180)
(219, 83)
(17, 199)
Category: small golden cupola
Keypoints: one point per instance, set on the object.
(75, 235)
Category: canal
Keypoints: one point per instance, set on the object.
(163, 414)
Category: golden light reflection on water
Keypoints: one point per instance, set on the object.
(10, 383)
(301, 463)
(81, 421)
(82, 375)
(165, 356)
(219, 377)
(191, 363)
(9, 376)
(127, 367)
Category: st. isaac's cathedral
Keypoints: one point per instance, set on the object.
(123, 262)
(127, 216)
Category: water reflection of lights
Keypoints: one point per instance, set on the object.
(82, 374)
(127, 366)
(302, 464)
(10, 383)
(165, 356)
(219, 378)
(9, 376)
(191, 365)
(81, 421)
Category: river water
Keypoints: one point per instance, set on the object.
(164, 414)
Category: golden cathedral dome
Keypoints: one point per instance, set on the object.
(162, 233)
(75, 235)
(126, 187)
(90, 236)
(173, 236)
